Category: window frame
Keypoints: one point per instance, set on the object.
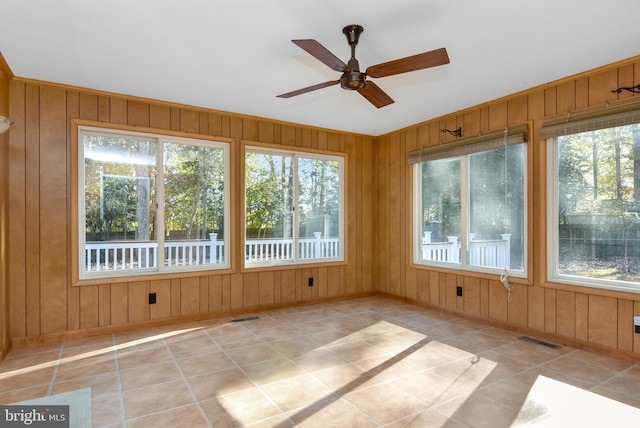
(553, 201)
(462, 149)
(79, 274)
(296, 153)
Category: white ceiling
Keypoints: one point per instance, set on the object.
(236, 55)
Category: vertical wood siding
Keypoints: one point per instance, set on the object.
(572, 314)
(42, 300)
(5, 332)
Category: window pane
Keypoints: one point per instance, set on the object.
(193, 205)
(599, 204)
(441, 204)
(269, 207)
(120, 193)
(318, 208)
(496, 208)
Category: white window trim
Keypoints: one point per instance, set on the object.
(464, 226)
(160, 139)
(295, 154)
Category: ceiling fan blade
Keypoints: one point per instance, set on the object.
(375, 95)
(308, 89)
(410, 63)
(321, 53)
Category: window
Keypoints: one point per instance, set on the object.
(594, 207)
(150, 203)
(294, 203)
(470, 204)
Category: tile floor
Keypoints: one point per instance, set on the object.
(369, 362)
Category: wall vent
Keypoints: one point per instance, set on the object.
(245, 319)
(539, 342)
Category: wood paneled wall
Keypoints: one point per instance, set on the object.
(5, 336)
(42, 300)
(577, 315)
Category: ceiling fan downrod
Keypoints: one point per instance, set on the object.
(352, 78)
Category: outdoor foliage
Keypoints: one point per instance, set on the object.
(599, 203)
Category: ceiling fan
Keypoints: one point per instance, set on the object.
(355, 80)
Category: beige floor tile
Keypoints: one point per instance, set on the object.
(101, 344)
(393, 344)
(477, 411)
(156, 398)
(205, 363)
(531, 353)
(530, 376)
(309, 327)
(84, 367)
(23, 394)
(384, 403)
(219, 383)
(275, 334)
(106, 410)
(506, 366)
(186, 416)
(193, 347)
(427, 357)
(307, 391)
(337, 413)
(226, 329)
(624, 383)
(239, 409)
(21, 351)
(508, 392)
(363, 362)
(346, 378)
(331, 337)
(388, 367)
(135, 359)
(279, 421)
(237, 340)
(272, 371)
(139, 339)
(294, 346)
(253, 354)
(425, 386)
(580, 370)
(318, 359)
(356, 351)
(100, 384)
(616, 395)
(599, 360)
(465, 376)
(149, 374)
(427, 419)
(29, 362)
(23, 378)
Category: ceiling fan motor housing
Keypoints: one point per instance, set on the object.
(352, 80)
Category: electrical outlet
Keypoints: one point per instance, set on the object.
(459, 290)
(310, 282)
(152, 298)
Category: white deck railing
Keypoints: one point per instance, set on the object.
(266, 250)
(121, 255)
(486, 252)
